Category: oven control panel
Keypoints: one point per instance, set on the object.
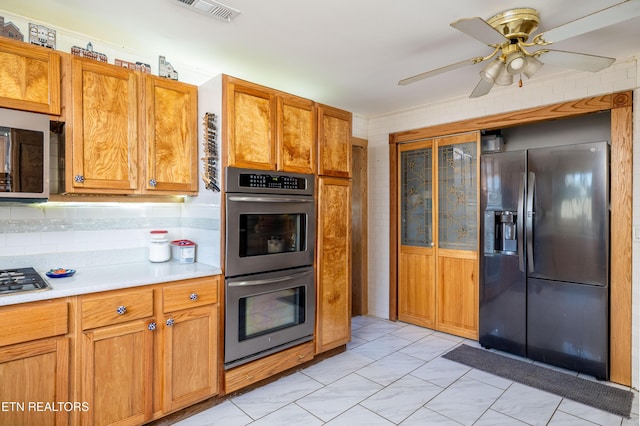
(254, 180)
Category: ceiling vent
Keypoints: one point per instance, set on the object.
(213, 8)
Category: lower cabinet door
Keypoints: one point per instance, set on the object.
(117, 373)
(34, 383)
(190, 356)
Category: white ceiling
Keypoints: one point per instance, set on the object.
(345, 53)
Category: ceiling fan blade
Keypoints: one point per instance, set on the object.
(479, 29)
(603, 18)
(579, 61)
(437, 71)
(482, 88)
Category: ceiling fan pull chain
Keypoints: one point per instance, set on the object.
(520, 82)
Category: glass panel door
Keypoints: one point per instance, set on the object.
(416, 207)
(457, 196)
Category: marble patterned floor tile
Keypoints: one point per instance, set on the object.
(266, 399)
(448, 336)
(402, 398)
(339, 396)
(390, 368)
(477, 397)
(488, 378)
(412, 332)
(527, 404)
(563, 419)
(223, 414)
(493, 418)
(381, 347)
(375, 330)
(589, 413)
(424, 417)
(355, 342)
(441, 372)
(429, 347)
(363, 320)
(359, 415)
(633, 420)
(337, 367)
(292, 415)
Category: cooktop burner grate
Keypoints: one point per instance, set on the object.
(21, 280)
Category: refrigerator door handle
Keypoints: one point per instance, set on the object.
(520, 224)
(531, 186)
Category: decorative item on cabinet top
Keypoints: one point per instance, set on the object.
(10, 30)
(210, 159)
(42, 36)
(89, 53)
(165, 69)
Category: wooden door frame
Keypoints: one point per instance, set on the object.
(620, 105)
(359, 143)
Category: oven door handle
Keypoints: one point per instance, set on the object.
(270, 199)
(269, 280)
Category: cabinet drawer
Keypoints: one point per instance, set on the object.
(22, 323)
(116, 307)
(189, 294)
(245, 375)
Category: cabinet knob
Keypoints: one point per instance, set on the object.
(78, 178)
(170, 322)
(193, 296)
(152, 326)
(152, 182)
(121, 310)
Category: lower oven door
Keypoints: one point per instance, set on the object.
(265, 313)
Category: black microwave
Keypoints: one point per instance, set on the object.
(24, 156)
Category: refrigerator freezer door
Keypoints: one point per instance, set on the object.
(570, 218)
(502, 317)
(567, 326)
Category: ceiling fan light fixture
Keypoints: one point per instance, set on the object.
(516, 62)
(491, 72)
(533, 66)
(505, 78)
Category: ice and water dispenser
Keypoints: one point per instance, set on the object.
(500, 232)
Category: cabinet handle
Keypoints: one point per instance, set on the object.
(301, 357)
(152, 182)
(121, 310)
(78, 178)
(170, 322)
(152, 326)
(193, 296)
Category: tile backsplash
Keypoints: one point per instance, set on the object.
(86, 234)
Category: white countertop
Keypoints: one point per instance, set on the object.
(113, 277)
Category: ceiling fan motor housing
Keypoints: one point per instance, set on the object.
(516, 23)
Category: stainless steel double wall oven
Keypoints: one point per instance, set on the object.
(269, 276)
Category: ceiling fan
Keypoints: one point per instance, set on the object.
(508, 34)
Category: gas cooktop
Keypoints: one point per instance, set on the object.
(21, 280)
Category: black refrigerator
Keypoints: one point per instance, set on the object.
(544, 282)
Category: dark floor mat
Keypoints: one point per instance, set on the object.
(597, 395)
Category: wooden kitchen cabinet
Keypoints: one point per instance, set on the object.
(171, 148)
(105, 131)
(333, 316)
(267, 129)
(116, 363)
(190, 348)
(334, 142)
(34, 362)
(130, 132)
(30, 77)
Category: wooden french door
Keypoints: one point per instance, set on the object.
(438, 233)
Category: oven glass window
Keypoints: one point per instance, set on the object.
(268, 312)
(262, 234)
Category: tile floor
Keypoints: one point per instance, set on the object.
(392, 374)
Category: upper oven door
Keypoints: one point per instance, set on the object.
(268, 232)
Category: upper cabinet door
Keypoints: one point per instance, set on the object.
(171, 137)
(104, 128)
(296, 135)
(30, 77)
(250, 125)
(334, 141)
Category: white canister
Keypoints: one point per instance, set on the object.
(159, 249)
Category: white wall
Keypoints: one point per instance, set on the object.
(563, 87)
